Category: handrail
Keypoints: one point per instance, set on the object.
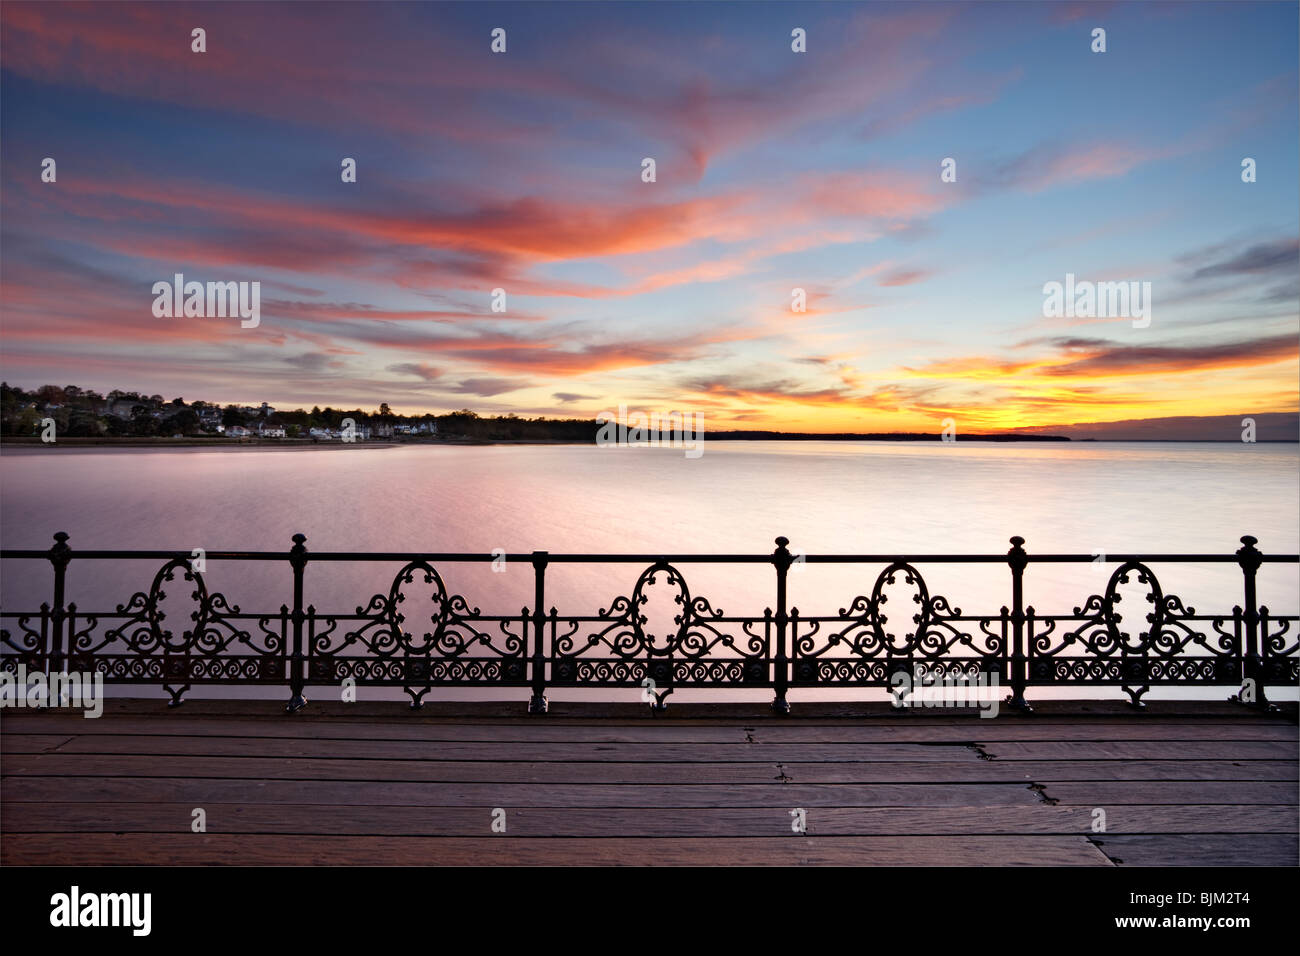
(1246, 646)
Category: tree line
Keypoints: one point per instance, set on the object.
(85, 413)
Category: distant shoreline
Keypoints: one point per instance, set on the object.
(134, 441)
(297, 444)
(225, 444)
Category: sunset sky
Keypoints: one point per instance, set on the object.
(775, 170)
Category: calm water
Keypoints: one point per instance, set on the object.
(825, 496)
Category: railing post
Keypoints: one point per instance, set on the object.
(1017, 560)
(297, 677)
(1248, 556)
(537, 703)
(781, 560)
(59, 555)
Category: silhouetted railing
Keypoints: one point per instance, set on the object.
(1245, 647)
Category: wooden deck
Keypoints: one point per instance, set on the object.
(593, 784)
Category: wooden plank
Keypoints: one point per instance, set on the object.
(1238, 849)
(902, 730)
(1108, 794)
(12, 743)
(473, 719)
(991, 731)
(250, 766)
(685, 707)
(197, 791)
(542, 751)
(38, 743)
(545, 822)
(202, 849)
(281, 768)
(1145, 750)
(1084, 771)
(649, 752)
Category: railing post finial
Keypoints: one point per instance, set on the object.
(782, 557)
(60, 548)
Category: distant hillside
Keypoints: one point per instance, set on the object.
(1269, 426)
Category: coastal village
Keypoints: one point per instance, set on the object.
(87, 415)
(79, 413)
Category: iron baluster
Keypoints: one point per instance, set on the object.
(781, 560)
(1017, 560)
(60, 555)
(298, 560)
(1248, 557)
(537, 704)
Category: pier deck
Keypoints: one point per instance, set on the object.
(598, 783)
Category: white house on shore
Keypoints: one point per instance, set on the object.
(416, 428)
(359, 432)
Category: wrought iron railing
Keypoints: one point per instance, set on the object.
(779, 648)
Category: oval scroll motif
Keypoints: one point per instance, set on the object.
(155, 613)
(660, 626)
(900, 586)
(1148, 588)
(438, 601)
